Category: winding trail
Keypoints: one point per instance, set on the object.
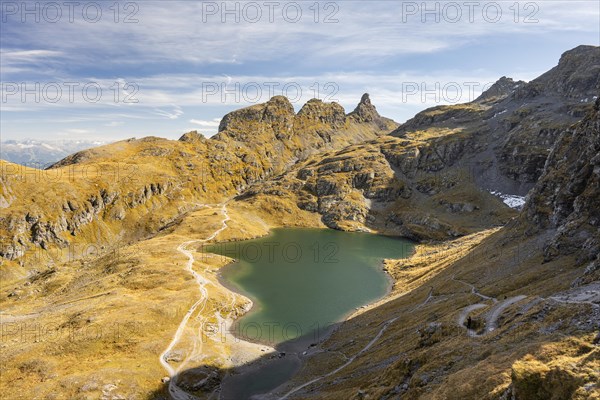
(588, 294)
(475, 291)
(350, 360)
(465, 313)
(491, 320)
(176, 392)
(559, 300)
(492, 316)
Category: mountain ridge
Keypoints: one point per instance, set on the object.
(104, 188)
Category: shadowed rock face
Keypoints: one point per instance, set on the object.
(566, 198)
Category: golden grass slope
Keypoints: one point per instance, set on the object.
(97, 325)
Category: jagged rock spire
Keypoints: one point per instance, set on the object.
(365, 111)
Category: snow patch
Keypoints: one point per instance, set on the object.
(511, 200)
(499, 113)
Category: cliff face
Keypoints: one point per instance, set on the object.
(82, 209)
(565, 201)
(413, 187)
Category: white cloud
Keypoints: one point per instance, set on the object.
(366, 32)
(170, 96)
(16, 55)
(214, 123)
(175, 113)
(113, 124)
(208, 127)
(39, 61)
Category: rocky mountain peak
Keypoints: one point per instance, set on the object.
(192, 137)
(365, 111)
(579, 51)
(278, 108)
(365, 99)
(317, 111)
(280, 103)
(499, 90)
(577, 76)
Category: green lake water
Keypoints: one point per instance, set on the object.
(302, 282)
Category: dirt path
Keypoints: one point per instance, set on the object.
(491, 320)
(475, 291)
(350, 360)
(588, 294)
(175, 392)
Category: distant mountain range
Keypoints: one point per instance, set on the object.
(39, 154)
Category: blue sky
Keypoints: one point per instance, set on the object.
(163, 68)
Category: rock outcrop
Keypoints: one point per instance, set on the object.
(397, 186)
(365, 111)
(577, 76)
(565, 201)
(501, 89)
(275, 136)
